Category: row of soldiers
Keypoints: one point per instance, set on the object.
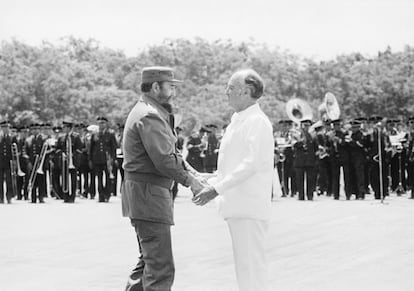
(374, 154)
(39, 160)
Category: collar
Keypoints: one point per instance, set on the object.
(242, 115)
(163, 112)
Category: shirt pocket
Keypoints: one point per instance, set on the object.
(159, 191)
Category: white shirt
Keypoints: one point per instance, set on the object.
(245, 166)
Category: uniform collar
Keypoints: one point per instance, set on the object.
(164, 113)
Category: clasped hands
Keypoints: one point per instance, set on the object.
(203, 192)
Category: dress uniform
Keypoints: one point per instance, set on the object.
(72, 140)
(211, 152)
(357, 144)
(33, 148)
(194, 158)
(6, 141)
(102, 154)
(324, 178)
(305, 161)
(20, 141)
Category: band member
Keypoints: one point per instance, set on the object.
(195, 146)
(324, 178)
(305, 147)
(68, 145)
(6, 141)
(84, 167)
(410, 155)
(357, 146)
(101, 155)
(211, 151)
(22, 134)
(398, 157)
(377, 163)
(117, 165)
(33, 148)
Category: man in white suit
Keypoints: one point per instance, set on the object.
(243, 182)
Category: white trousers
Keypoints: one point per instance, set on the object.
(249, 250)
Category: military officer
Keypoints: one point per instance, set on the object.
(102, 154)
(6, 141)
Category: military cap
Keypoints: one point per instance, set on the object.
(102, 118)
(362, 119)
(211, 126)
(67, 124)
(336, 121)
(5, 123)
(158, 74)
(318, 124)
(306, 121)
(355, 122)
(375, 118)
(57, 128)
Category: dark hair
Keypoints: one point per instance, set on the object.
(146, 87)
(255, 83)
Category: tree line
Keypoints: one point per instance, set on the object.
(79, 80)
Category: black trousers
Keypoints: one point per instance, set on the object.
(357, 177)
(310, 173)
(5, 175)
(325, 175)
(335, 172)
(70, 194)
(39, 188)
(155, 268)
(375, 179)
(98, 170)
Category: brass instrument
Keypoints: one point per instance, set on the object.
(15, 158)
(67, 165)
(298, 110)
(329, 109)
(37, 167)
(109, 161)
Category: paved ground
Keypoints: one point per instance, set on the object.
(319, 245)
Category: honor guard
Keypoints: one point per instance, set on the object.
(356, 142)
(102, 155)
(36, 153)
(305, 147)
(6, 141)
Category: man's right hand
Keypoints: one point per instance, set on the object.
(197, 184)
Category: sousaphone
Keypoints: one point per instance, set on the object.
(329, 109)
(298, 110)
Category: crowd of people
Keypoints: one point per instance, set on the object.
(63, 161)
(309, 158)
(318, 151)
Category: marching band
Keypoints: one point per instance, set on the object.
(363, 155)
(39, 161)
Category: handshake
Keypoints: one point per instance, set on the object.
(203, 192)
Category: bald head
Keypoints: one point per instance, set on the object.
(251, 80)
(244, 88)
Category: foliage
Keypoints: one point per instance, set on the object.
(79, 80)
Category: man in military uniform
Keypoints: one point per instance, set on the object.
(102, 154)
(68, 145)
(84, 169)
(305, 147)
(151, 164)
(117, 163)
(357, 144)
(211, 151)
(33, 149)
(6, 141)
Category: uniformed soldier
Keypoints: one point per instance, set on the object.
(194, 147)
(84, 169)
(324, 178)
(69, 145)
(117, 165)
(357, 144)
(410, 155)
(102, 154)
(6, 141)
(33, 148)
(305, 147)
(375, 162)
(20, 141)
(211, 151)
